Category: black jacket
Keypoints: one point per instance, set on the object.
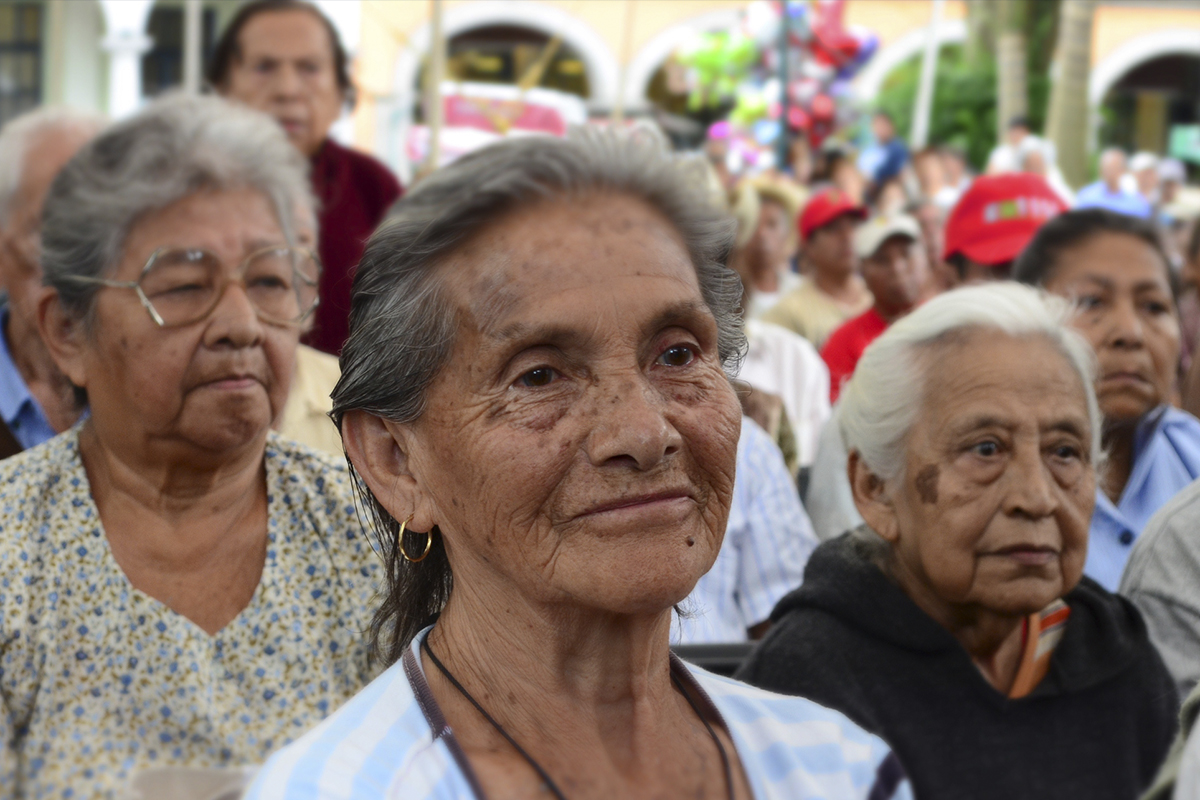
(1097, 726)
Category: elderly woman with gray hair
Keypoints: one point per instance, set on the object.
(956, 623)
(534, 400)
(178, 584)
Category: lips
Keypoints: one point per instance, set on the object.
(1028, 555)
(641, 502)
(235, 381)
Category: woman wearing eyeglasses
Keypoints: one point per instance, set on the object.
(178, 584)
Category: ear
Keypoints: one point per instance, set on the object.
(64, 336)
(872, 499)
(380, 451)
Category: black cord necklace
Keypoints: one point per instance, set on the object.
(546, 779)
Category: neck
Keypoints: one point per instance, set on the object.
(167, 482)
(843, 286)
(991, 639)
(555, 656)
(1118, 442)
(891, 314)
(46, 382)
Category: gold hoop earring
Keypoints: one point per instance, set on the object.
(400, 543)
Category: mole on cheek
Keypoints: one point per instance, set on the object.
(926, 483)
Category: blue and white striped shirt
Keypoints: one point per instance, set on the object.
(391, 742)
(767, 544)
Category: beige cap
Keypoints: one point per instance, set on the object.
(875, 231)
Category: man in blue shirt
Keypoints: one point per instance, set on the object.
(1107, 192)
(36, 399)
(886, 158)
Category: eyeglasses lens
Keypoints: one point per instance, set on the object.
(183, 286)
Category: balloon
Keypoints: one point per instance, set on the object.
(823, 108)
(798, 118)
(766, 131)
(761, 22)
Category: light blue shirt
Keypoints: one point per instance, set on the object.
(391, 742)
(767, 544)
(1097, 195)
(21, 412)
(1166, 458)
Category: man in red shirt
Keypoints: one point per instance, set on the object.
(284, 57)
(894, 267)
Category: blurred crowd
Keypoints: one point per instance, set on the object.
(446, 490)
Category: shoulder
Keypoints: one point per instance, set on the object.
(369, 173)
(311, 487)
(1106, 638)
(1183, 431)
(796, 745)
(360, 752)
(38, 475)
(1166, 556)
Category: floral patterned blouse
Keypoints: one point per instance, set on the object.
(99, 680)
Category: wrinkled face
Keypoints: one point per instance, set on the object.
(774, 232)
(830, 248)
(1128, 315)
(993, 508)
(214, 385)
(579, 445)
(895, 273)
(286, 69)
(20, 239)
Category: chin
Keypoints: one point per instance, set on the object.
(1025, 596)
(638, 580)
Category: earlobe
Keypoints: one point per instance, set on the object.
(380, 452)
(63, 335)
(872, 498)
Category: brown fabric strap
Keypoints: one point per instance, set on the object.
(9, 446)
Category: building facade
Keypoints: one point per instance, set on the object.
(110, 55)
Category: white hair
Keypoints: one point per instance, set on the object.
(21, 132)
(883, 399)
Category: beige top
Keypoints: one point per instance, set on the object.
(813, 314)
(306, 416)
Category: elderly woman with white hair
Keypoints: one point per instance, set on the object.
(178, 584)
(957, 622)
(535, 401)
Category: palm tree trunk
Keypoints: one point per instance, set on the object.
(1012, 86)
(1067, 123)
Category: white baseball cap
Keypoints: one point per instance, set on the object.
(874, 232)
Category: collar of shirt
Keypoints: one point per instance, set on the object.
(1166, 457)
(14, 394)
(18, 407)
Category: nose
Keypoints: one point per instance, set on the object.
(287, 84)
(234, 322)
(1030, 485)
(1125, 327)
(631, 427)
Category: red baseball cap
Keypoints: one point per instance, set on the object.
(824, 208)
(994, 219)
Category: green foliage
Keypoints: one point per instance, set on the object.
(965, 92)
(964, 101)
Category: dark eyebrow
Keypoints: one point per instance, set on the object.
(533, 334)
(683, 314)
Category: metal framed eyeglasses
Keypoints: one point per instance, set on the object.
(179, 286)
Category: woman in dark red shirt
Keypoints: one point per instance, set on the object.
(284, 57)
